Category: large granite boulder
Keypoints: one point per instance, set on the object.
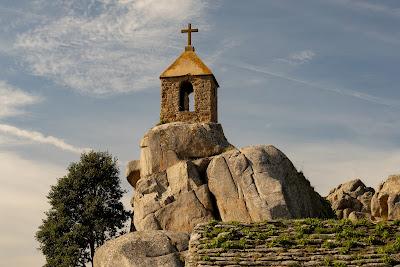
(190, 174)
(175, 199)
(164, 145)
(143, 249)
(351, 200)
(260, 183)
(385, 204)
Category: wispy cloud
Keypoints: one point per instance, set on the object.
(374, 7)
(13, 99)
(13, 11)
(40, 138)
(344, 92)
(298, 58)
(106, 47)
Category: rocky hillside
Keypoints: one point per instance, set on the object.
(188, 173)
(309, 242)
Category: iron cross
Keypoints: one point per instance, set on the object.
(189, 31)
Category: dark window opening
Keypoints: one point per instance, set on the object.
(186, 97)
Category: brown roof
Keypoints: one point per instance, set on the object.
(188, 63)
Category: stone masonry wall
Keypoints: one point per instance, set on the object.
(205, 98)
(308, 242)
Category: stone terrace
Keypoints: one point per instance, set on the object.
(308, 242)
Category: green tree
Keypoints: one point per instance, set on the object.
(85, 211)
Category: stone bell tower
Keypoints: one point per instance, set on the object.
(188, 88)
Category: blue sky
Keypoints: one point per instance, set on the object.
(317, 79)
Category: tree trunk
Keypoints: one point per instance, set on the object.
(91, 251)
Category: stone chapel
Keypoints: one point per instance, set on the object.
(188, 88)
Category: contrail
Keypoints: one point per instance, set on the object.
(351, 93)
(40, 138)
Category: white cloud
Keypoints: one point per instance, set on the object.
(39, 138)
(108, 46)
(12, 100)
(298, 58)
(23, 190)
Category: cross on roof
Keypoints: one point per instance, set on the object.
(189, 31)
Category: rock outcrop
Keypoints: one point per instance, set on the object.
(260, 183)
(352, 200)
(164, 145)
(144, 249)
(190, 174)
(385, 204)
(176, 199)
(172, 193)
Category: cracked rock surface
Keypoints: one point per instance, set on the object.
(259, 183)
(190, 174)
(144, 249)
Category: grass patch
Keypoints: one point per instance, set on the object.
(205, 258)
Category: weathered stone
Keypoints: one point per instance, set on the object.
(260, 183)
(201, 165)
(188, 75)
(365, 200)
(229, 198)
(356, 215)
(350, 197)
(182, 177)
(185, 213)
(256, 245)
(143, 249)
(132, 172)
(163, 145)
(385, 204)
(346, 212)
(176, 199)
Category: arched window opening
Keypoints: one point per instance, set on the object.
(186, 97)
(191, 102)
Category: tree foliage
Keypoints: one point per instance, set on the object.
(85, 211)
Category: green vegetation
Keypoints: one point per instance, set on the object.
(85, 211)
(343, 236)
(339, 264)
(205, 258)
(161, 122)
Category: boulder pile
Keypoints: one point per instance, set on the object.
(353, 200)
(188, 174)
